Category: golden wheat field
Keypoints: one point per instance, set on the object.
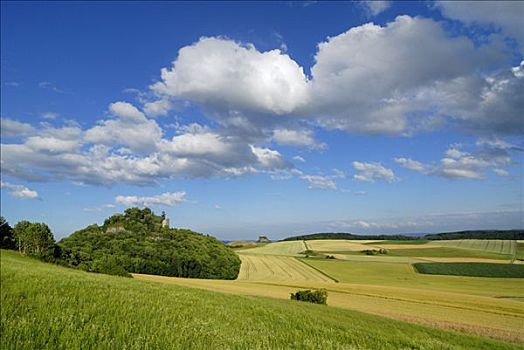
(278, 268)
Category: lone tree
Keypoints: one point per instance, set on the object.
(34, 239)
(263, 239)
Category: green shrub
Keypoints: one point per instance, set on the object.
(110, 265)
(318, 296)
(374, 251)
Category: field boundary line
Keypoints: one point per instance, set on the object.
(318, 270)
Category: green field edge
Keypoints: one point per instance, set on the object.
(302, 260)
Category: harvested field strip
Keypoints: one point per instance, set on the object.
(336, 245)
(290, 248)
(278, 268)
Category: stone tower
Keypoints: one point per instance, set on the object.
(165, 222)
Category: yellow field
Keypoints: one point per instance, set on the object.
(338, 245)
(291, 248)
(277, 268)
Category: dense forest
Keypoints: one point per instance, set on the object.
(342, 235)
(478, 234)
(133, 242)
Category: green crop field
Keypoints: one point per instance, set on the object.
(49, 307)
(448, 252)
(291, 248)
(487, 245)
(472, 269)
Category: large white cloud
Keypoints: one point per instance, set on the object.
(407, 75)
(367, 78)
(223, 74)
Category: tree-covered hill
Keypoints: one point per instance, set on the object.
(136, 242)
(477, 234)
(343, 235)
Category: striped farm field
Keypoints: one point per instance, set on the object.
(338, 245)
(488, 245)
(290, 248)
(278, 269)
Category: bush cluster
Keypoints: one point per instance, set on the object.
(374, 251)
(318, 296)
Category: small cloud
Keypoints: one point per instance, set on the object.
(12, 83)
(501, 172)
(371, 172)
(360, 193)
(299, 159)
(337, 173)
(19, 191)
(320, 182)
(375, 7)
(218, 207)
(50, 115)
(168, 199)
(411, 164)
(50, 86)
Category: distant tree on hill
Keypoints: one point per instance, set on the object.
(34, 239)
(263, 239)
(7, 238)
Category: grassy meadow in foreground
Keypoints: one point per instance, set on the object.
(50, 307)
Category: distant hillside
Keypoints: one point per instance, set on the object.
(470, 234)
(136, 242)
(342, 235)
(477, 234)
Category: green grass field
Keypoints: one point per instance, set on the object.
(472, 269)
(486, 245)
(49, 307)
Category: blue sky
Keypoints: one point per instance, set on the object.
(277, 118)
